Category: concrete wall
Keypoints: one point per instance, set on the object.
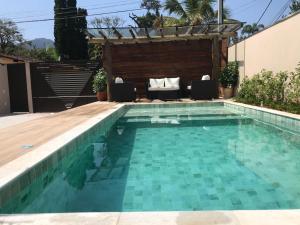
(4, 91)
(277, 48)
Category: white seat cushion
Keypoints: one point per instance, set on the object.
(157, 83)
(205, 77)
(163, 89)
(172, 82)
(119, 80)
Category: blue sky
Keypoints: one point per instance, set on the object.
(243, 10)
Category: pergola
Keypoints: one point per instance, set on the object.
(134, 36)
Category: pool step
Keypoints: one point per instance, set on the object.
(176, 112)
(194, 121)
(178, 119)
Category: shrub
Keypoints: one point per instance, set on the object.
(279, 91)
(293, 90)
(229, 75)
(100, 82)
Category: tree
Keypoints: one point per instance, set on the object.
(107, 22)
(295, 6)
(103, 22)
(152, 5)
(60, 33)
(69, 29)
(249, 30)
(81, 51)
(151, 17)
(10, 36)
(193, 12)
(42, 54)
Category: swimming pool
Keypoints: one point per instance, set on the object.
(168, 157)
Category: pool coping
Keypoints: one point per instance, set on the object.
(246, 217)
(13, 169)
(264, 109)
(16, 167)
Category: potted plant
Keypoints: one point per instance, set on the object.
(229, 78)
(100, 85)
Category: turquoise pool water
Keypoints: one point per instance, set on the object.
(172, 159)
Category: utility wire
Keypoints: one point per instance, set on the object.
(74, 17)
(84, 6)
(281, 11)
(264, 12)
(245, 6)
(73, 11)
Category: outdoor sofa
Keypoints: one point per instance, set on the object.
(163, 88)
(122, 91)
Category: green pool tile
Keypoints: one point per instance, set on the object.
(193, 165)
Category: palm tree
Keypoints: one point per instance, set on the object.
(252, 29)
(193, 12)
(295, 6)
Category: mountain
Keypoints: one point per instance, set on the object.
(42, 43)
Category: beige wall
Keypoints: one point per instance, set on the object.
(276, 48)
(4, 91)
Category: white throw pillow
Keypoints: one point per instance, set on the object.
(172, 82)
(157, 83)
(119, 80)
(205, 77)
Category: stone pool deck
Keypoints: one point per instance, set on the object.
(266, 217)
(37, 131)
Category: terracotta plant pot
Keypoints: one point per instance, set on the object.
(228, 93)
(102, 96)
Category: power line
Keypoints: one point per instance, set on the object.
(89, 9)
(264, 12)
(84, 6)
(245, 6)
(74, 17)
(281, 11)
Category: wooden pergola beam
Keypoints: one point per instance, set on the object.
(191, 31)
(107, 65)
(147, 33)
(223, 29)
(216, 58)
(161, 30)
(117, 33)
(132, 33)
(206, 29)
(102, 34)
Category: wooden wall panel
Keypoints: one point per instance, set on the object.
(139, 62)
(224, 53)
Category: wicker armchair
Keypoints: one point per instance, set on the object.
(122, 92)
(204, 89)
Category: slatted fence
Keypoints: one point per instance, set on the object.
(60, 86)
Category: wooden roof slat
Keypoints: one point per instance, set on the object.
(176, 31)
(132, 33)
(117, 33)
(147, 33)
(102, 34)
(191, 31)
(161, 32)
(223, 29)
